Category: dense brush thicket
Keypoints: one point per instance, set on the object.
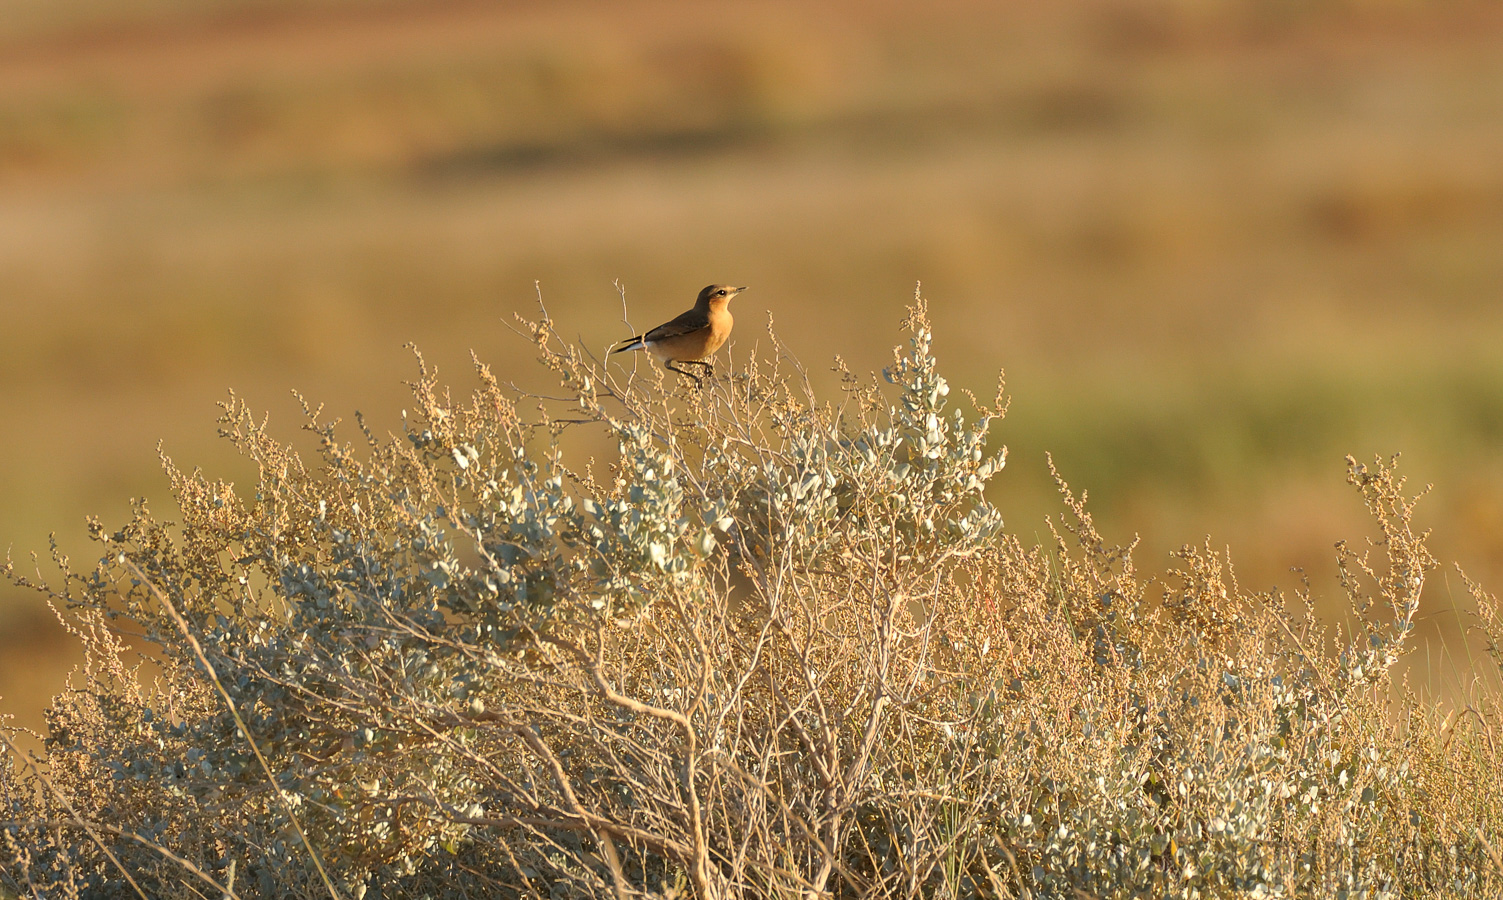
(784, 649)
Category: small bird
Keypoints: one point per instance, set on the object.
(692, 337)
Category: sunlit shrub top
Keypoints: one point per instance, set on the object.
(779, 647)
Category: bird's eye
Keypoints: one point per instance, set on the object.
(720, 293)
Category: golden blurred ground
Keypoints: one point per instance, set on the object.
(1216, 246)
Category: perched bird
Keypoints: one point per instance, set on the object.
(692, 337)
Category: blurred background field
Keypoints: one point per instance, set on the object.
(1216, 246)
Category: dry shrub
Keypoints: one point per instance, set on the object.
(786, 650)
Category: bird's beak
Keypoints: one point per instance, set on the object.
(740, 289)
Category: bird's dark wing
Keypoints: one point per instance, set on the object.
(688, 323)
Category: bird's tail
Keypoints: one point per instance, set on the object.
(636, 343)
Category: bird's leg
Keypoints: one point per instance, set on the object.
(690, 375)
(709, 370)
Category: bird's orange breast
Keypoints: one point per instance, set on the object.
(720, 329)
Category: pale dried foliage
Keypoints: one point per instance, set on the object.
(785, 650)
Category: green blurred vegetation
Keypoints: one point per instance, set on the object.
(1216, 247)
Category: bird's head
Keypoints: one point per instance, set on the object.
(718, 294)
